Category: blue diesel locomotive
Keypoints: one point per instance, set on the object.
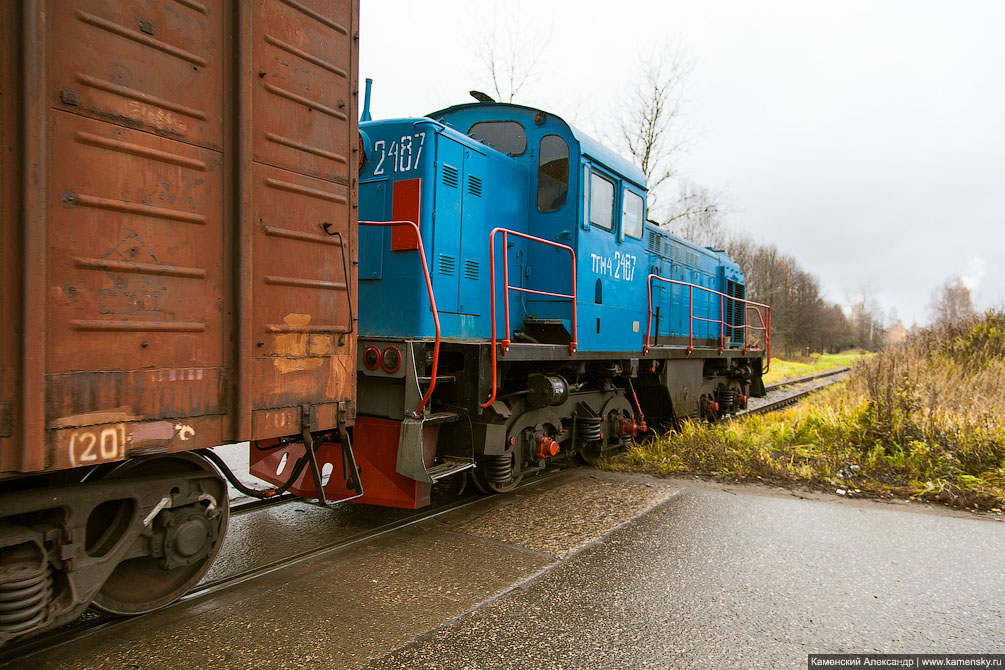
(516, 306)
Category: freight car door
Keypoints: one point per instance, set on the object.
(299, 220)
(126, 215)
(150, 201)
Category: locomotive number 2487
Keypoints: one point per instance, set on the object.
(621, 266)
(404, 153)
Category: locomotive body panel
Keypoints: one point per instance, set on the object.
(461, 185)
(573, 192)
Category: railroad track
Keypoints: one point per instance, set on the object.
(806, 378)
(93, 622)
(791, 398)
(252, 504)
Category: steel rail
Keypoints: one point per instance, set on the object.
(792, 398)
(259, 503)
(806, 378)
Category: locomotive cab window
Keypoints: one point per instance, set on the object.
(507, 137)
(601, 202)
(631, 217)
(552, 173)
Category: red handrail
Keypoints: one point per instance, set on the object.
(748, 304)
(504, 346)
(432, 303)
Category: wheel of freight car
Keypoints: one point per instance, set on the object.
(184, 542)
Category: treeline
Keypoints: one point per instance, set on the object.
(802, 320)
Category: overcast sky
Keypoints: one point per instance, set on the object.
(867, 139)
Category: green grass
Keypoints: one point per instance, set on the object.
(924, 420)
(783, 369)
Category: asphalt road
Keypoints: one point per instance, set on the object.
(743, 578)
(584, 570)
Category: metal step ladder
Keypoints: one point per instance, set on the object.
(449, 466)
(410, 450)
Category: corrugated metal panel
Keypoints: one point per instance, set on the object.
(10, 263)
(173, 253)
(302, 130)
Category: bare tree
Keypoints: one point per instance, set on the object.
(866, 322)
(649, 126)
(951, 302)
(651, 132)
(695, 215)
(509, 55)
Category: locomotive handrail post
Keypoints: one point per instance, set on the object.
(746, 331)
(722, 323)
(506, 342)
(432, 303)
(649, 317)
(767, 341)
(690, 318)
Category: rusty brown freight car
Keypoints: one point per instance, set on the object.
(178, 239)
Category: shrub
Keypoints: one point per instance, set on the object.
(926, 418)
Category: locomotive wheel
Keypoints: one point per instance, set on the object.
(143, 584)
(617, 407)
(591, 455)
(485, 486)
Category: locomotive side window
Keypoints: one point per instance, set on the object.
(631, 217)
(601, 202)
(552, 173)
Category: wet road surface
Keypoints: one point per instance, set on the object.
(593, 570)
(739, 579)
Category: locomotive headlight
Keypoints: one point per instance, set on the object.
(390, 359)
(371, 358)
(364, 148)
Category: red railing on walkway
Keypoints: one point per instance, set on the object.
(432, 303)
(763, 317)
(505, 344)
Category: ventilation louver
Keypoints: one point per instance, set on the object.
(448, 265)
(450, 175)
(475, 186)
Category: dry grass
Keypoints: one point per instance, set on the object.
(782, 369)
(926, 419)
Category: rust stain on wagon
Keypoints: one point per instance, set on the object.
(293, 348)
(339, 378)
(116, 415)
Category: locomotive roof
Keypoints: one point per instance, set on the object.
(587, 145)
